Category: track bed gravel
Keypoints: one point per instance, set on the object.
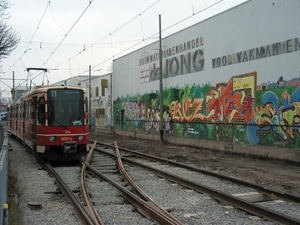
(276, 174)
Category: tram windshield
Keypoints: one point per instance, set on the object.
(65, 107)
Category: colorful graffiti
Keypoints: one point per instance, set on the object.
(236, 111)
(188, 111)
(233, 102)
(283, 120)
(139, 111)
(132, 111)
(153, 119)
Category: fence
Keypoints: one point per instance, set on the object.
(3, 175)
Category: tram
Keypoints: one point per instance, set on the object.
(52, 121)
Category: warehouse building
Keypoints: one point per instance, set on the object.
(229, 81)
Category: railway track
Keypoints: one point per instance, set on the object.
(129, 190)
(113, 209)
(85, 216)
(225, 197)
(112, 170)
(84, 203)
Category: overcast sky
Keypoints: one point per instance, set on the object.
(66, 36)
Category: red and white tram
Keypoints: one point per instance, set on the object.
(52, 120)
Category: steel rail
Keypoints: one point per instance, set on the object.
(138, 191)
(70, 195)
(270, 215)
(147, 209)
(259, 188)
(222, 196)
(93, 212)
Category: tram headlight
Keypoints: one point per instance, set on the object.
(80, 137)
(52, 138)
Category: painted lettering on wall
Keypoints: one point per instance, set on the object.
(287, 46)
(175, 50)
(182, 59)
(188, 111)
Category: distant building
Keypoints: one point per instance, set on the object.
(3, 107)
(18, 91)
(72, 80)
(4, 103)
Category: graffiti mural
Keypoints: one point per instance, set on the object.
(153, 119)
(282, 119)
(232, 102)
(188, 111)
(239, 110)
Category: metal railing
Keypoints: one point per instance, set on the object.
(3, 175)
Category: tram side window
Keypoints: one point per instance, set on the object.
(8, 113)
(27, 112)
(41, 110)
(87, 110)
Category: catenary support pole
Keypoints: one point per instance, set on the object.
(13, 89)
(161, 124)
(90, 98)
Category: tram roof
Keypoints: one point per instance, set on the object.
(44, 88)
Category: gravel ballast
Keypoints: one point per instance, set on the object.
(35, 206)
(38, 207)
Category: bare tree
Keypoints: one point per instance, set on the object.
(8, 40)
(8, 37)
(4, 5)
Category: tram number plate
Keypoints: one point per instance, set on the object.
(66, 139)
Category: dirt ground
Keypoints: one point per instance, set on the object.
(275, 174)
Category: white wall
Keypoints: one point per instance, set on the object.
(240, 31)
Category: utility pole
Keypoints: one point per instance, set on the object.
(111, 104)
(161, 124)
(13, 89)
(90, 98)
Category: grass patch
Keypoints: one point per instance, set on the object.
(14, 213)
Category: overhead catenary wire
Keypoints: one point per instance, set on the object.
(193, 14)
(112, 47)
(142, 27)
(114, 31)
(167, 28)
(90, 2)
(42, 43)
(192, 7)
(27, 48)
(112, 44)
(66, 34)
(56, 21)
